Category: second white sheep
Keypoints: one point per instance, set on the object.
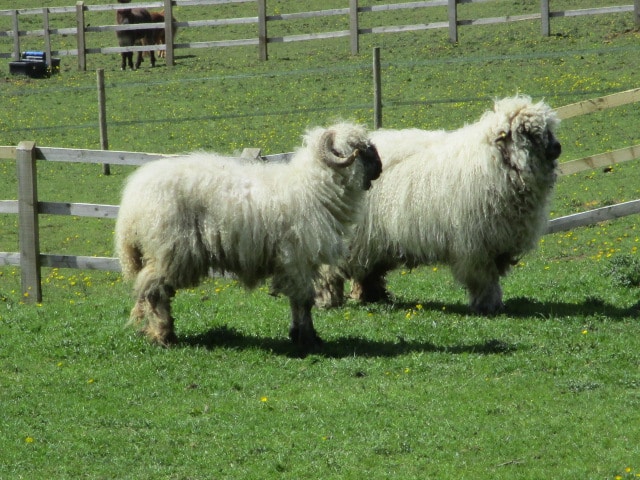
(475, 199)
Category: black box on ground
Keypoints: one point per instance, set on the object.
(34, 64)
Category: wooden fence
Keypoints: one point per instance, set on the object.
(261, 21)
(28, 207)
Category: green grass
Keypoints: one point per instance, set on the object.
(415, 389)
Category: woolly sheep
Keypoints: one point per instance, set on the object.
(475, 198)
(181, 217)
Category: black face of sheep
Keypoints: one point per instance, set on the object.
(541, 142)
(366, 154)
(181, 217)
(553, 149)
(372, 165)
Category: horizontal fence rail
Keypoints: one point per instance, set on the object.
(28, 207)
(590, 217)
(261, 20)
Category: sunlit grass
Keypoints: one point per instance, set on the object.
(418, 388)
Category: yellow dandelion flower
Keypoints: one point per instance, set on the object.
(29, 440)
(264, 399)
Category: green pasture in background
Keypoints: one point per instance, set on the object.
(416, 389)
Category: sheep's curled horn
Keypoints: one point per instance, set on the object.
(330, 158)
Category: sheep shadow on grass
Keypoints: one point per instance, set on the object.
(226, 337)
(522, 307)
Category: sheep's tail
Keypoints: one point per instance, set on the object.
(130, 257)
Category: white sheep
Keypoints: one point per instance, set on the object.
(475, 198)
(181, 217)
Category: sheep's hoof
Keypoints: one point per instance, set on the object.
(161, 338)
(307, 340)
(487, 309)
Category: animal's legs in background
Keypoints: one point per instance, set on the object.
(127, 57)
(329, 287)
(372, 287)
(152, 58)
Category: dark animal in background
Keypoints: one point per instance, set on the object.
(158, 36)
(129, 38)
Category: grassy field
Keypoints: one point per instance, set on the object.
(418, 388)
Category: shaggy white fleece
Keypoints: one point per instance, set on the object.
(475, 198)
(181, 217)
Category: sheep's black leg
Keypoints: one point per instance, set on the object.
(301, 331)
(483, 286)
(371, 288)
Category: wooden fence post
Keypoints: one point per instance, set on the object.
(453, 20)
(168, 32)
(353, 26)
(16, 35)
(544, 16)
(80, 40)
(47, 37)
(102, 117)
(262, 30)
(377, 90)
(28, 232)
